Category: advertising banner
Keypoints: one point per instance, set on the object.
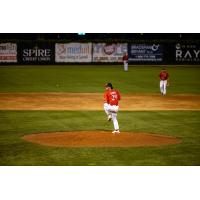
(103, 52)
(145, 52)
(73, 52)
(187, 53)
(8, 53)
(31, 53)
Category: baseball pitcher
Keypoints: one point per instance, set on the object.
(111, 107)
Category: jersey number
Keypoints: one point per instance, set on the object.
(114, 96)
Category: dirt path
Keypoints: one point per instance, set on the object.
(100, 139)
(93, 101)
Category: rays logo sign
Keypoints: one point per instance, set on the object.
(187, 53)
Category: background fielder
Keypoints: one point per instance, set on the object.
(125, 61)
(111, 107)
(164, 81)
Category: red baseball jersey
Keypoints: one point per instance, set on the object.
(112, 97)
(125, 58)
(163, 75)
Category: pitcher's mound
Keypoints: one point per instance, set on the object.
(100, 139)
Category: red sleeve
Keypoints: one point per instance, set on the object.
(119, 96)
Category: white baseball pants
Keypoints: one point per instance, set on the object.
(163, 86)
(125, 65)
(112, 110)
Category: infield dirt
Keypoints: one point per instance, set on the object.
(100, 139)
(94, 101)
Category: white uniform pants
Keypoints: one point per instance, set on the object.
(112, 110)
(163, 86)
(125, 65)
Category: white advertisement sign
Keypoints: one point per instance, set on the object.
(8, 52)
(103, 52)
(73, 52)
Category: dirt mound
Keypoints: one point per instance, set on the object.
(100, 139)
(94, 101)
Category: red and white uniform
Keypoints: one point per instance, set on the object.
(111, 105)
(164, 75)
(125, 61)
(125, 58)
(112, 97)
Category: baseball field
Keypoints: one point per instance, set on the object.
(53, 116)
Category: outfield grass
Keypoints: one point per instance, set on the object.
(15, 151)
(140, 79)
(143, 79)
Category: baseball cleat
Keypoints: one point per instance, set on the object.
(116, 132)
(109, 118)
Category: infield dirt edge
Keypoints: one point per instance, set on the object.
(94, 101)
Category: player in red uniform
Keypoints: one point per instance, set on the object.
(111, 105)
(125, 61)
(164, 81)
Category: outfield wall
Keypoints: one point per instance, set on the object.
(28, 53)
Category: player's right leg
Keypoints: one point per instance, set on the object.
(164, 87)
(115, 123)
(125, 66)
(161, 87)
(114, 109)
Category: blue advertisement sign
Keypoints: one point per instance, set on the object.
(145, 52)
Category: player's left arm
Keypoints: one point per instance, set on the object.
(118, 95)
(168, 82)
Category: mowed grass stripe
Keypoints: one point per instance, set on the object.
(139, 79)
